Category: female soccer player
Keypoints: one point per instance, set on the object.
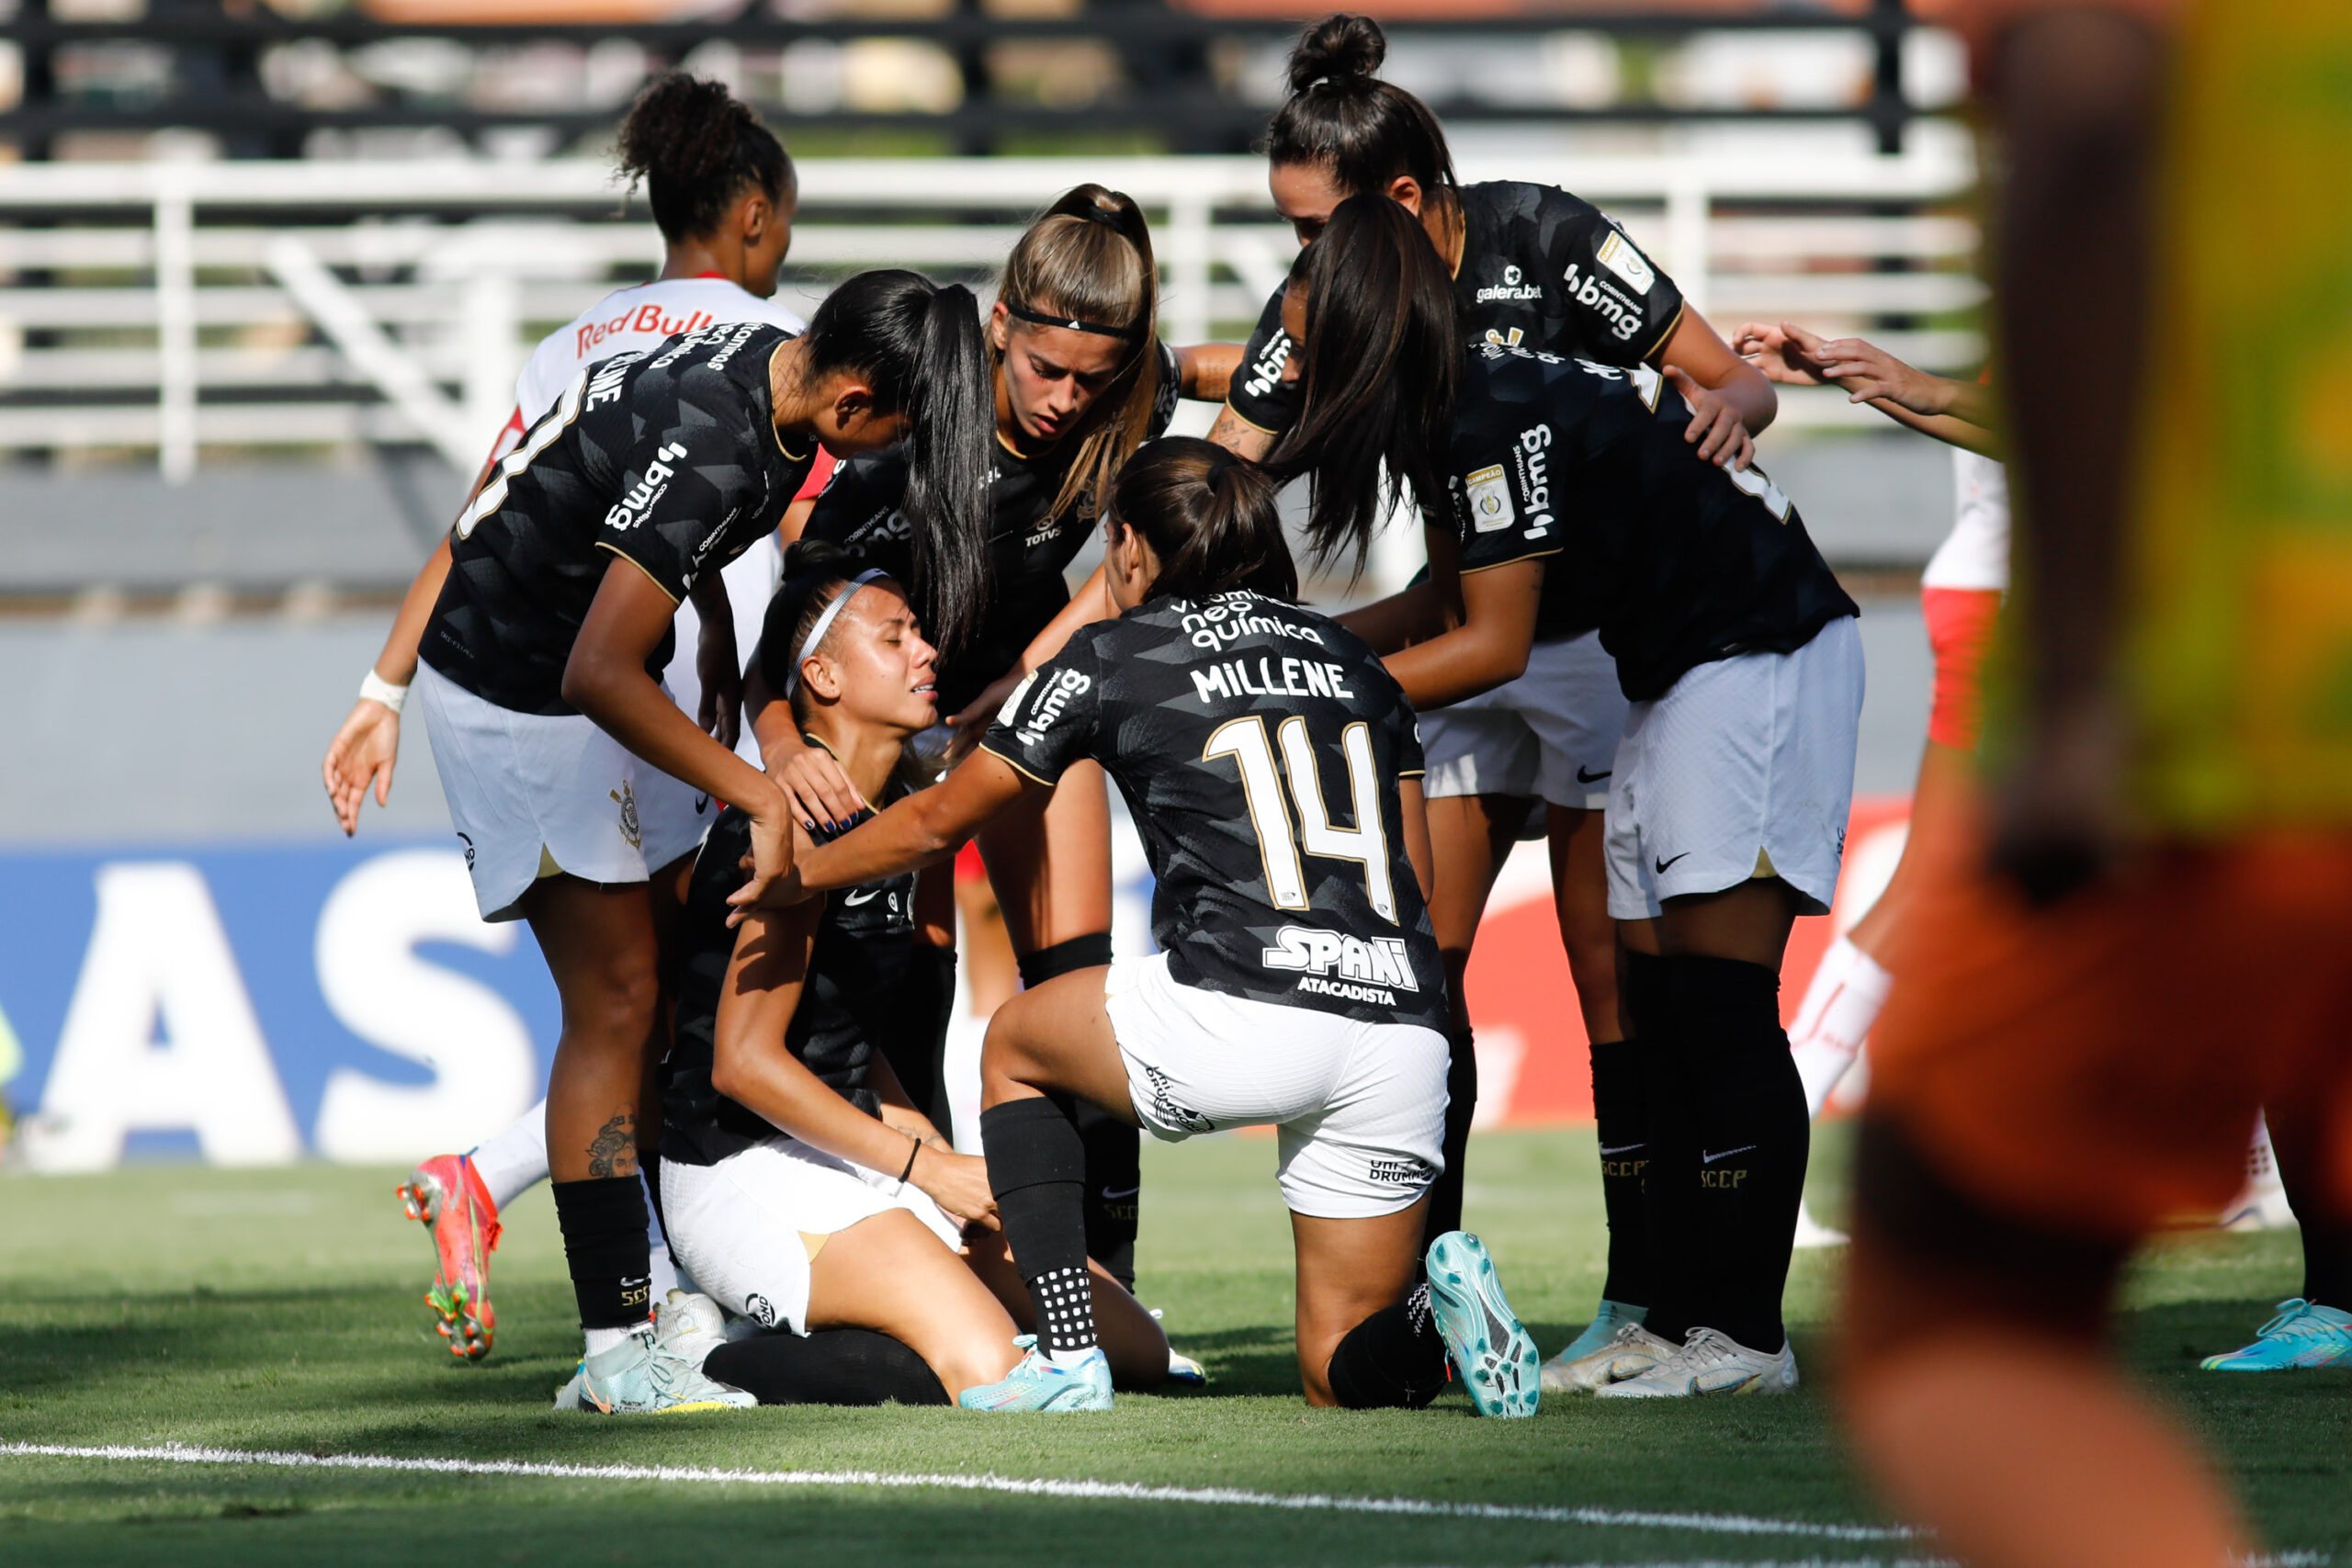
(1536, 267)
(1570, 487)
(723, 193)
(572, 778)
(1298, 981)
(801, 1187)
(1081, 380)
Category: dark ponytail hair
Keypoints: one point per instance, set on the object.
(919, 346)
(698, 148)
(1339, 115)
(1210, 517)
(1378, 370)
(1088, 258)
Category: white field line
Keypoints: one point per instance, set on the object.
(1107, 1491)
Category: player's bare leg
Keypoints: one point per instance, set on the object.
(889, 1273)
(1470, 836)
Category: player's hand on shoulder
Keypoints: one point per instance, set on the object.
(820, 792)
(361, 754)
(1716, 428)
(773, 877)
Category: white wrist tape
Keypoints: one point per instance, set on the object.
(377, 689)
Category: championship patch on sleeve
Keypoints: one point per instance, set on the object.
(1490, 507)
(1011, 710)
(1618, 255)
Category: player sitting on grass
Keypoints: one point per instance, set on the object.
(802, 1189)
(1298, 982)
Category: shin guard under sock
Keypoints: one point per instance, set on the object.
(602, 1220)
(1113, 1148)
(1460, 1106)
(2299, 1140)
(1620, 1108)
(1670, 1173)
(1754, 1135)
(1394, 1359)
(1038, 1170)
(833, 1366)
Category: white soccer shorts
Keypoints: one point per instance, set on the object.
(530, 794)
(1551, 734)
(737, 1225)
(1359, 1109)
(1744, 768)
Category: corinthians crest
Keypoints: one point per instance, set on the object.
(627, 798)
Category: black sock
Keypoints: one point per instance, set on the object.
(917, 1051)
(602, 1220)
(1394, 1359)
(1038, 1170)
(2298, 1139)
(1114, 1189)
(1670, 1173)
(1461, 1105)
(1090, 951)
(833, 1366)
(1754, 1136)
(1620, 1107)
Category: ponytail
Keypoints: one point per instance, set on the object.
(1379, 370)
(698, 148)
(1210, 517)
(919, 347)
(1087, 259)
(1341, 118)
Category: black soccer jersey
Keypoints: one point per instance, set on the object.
(668, 457)
(1541, 269)
(858, 997)
(1678, 561)
(1257, 745)
(1028, 549)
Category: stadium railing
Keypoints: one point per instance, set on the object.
(184, 306)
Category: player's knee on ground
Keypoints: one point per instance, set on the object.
(1394, 1359)
(833, 1366)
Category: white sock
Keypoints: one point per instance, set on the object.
(515, 1159)
(603, 1339)
(1070, 1361)
(1839, 1008)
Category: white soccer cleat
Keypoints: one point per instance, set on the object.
(1813, 1233)
(1711, 1361)
(1633, 1351)
(689, 1326)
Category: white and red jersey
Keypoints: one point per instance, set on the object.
(640, 317)
(1976, 555)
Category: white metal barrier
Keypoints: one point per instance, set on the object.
(397, 299)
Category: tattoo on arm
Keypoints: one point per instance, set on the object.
(612, 1151)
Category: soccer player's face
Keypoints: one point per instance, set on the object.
(1305, 195)
(881, 663)
(1052, 375)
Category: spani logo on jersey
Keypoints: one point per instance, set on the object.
(1051, 704)
(657, 475)
(1376, 964)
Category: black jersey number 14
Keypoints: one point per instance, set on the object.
(1245, 740)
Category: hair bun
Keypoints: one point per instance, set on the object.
(680, 130)
(1342, 47)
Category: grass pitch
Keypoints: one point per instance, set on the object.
(281, 1312)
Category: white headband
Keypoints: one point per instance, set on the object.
(824, 624)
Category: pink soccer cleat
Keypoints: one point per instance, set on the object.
(447, 1193)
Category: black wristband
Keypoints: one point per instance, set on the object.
(911, 1162)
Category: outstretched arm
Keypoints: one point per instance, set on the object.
(924, 826)
(1959, 413)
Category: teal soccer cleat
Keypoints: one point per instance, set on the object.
(2304, 1334)
(1037, 1384)
(1496, 1358)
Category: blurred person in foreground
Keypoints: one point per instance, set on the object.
(2141, 939)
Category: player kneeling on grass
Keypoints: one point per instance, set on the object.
(1298, 984)
(801, 1187)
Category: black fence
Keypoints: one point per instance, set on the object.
(205, 65)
